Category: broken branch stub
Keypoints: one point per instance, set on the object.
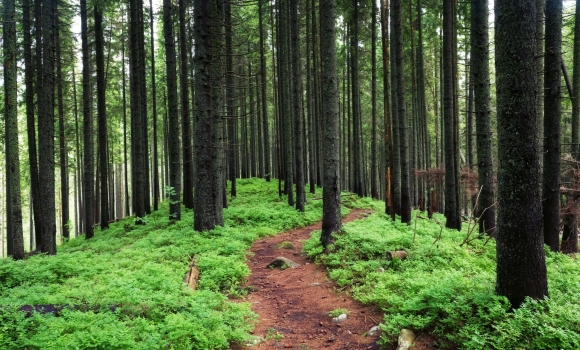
(396, 254)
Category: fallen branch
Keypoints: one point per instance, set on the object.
(192, 275)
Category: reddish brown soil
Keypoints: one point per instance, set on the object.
(293, 303)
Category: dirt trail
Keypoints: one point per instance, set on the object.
(293, 303)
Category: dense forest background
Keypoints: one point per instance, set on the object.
(112, 107)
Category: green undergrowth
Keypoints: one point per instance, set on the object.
(446, 289)
(124, 288)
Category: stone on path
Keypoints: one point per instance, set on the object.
(283, 262)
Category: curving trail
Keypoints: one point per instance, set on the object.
(293, 303)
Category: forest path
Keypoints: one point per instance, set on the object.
(293, 303)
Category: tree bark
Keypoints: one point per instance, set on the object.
(451, 186)
(267, 167)
(480, 75)
(521, 266)
(13, 201)
(331, 219)
(46, 137)
(402, 111)
(101, 117)
(30, 122)
(297, 105)
(185, 124)
(174, 164)
(552, 115)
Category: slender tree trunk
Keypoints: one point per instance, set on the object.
(102, 118)
(297, 105)
(63, 153)
(230, 100)
(540, 4)
(185, 124)
(401, 113)
(480, 74)
(451, 187)
(174, 165)
(285, 53)
(46, 137)
(396, 169)
(138, 126)
(521, 265)
(124, 94)
(389, 176)
(374, 145)
(267, 167)
(30, 122)
(552, 115)
(331, 219)
(156, 193)
(13, 201)
(576, 83)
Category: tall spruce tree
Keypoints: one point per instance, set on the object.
(521, 265)
(14, 232)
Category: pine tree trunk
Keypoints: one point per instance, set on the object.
(401, 113)
(230, 103)
(389, 175)
(102, 119)
(156, 192)
(88, 143)
(521, 265)
(552, 115)
(171, 71)
(396, 169)
(30, 122)
(185, 124)
(267, 166)
(331, 219)
(46, 168)
(576, 92)
(374, 145)
(451, 187)
(13, 200)
(64, 189)
(297, 105)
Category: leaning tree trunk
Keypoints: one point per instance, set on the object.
(521, 265)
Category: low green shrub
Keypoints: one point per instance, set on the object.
(137, 271)
(448, 289)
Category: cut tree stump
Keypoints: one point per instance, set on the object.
(192, 275)
(396, 254)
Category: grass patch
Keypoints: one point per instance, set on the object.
(139, 270)
(448, 290)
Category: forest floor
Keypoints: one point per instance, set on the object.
(293, 304)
